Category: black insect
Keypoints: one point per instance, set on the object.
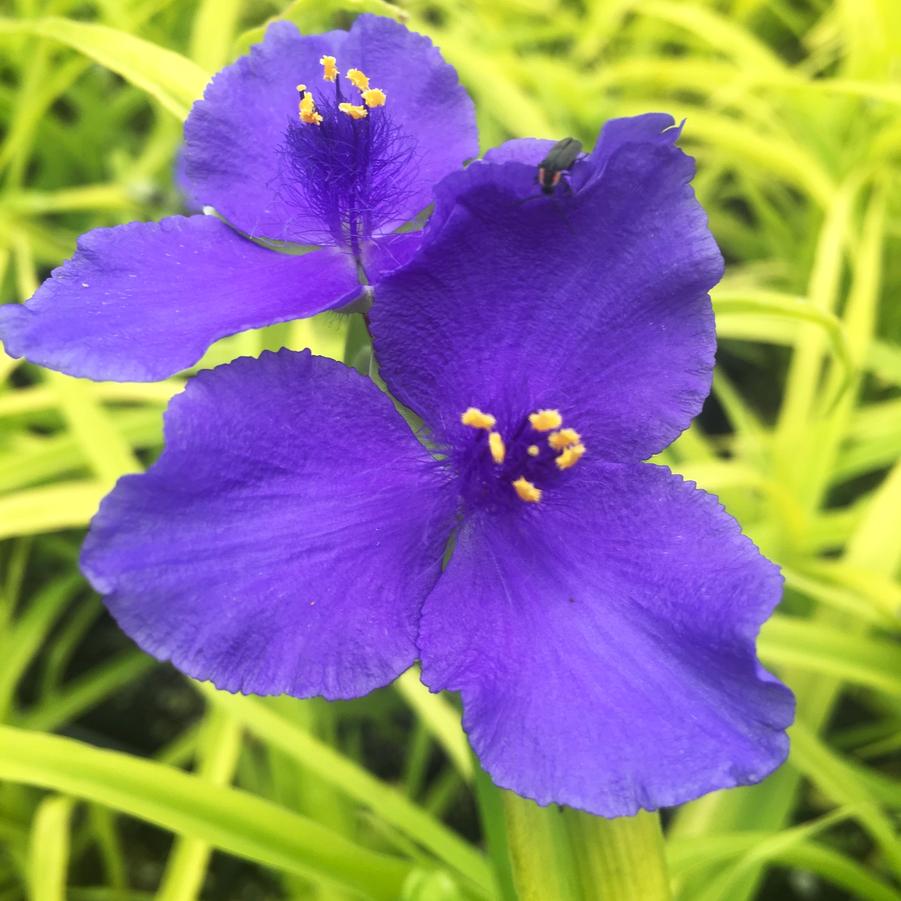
(559, 159)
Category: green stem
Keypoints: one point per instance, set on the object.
(568, 855)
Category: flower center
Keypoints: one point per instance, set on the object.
(528, 460)
(345, 159)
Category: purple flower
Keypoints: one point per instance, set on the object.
(286, 148)
(598, 614)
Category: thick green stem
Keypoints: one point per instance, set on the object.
(567, 855)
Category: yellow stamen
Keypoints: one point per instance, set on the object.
(527, 491)
(570, 456)
(329, 69)
(307, 107)
(355, 112)
(477, 419)
(358, 79)
(546, 420)
(374, 97)
(533, 450)
(563, 438)
(496, 445)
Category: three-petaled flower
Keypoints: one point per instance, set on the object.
(597, 614)
(337, 169)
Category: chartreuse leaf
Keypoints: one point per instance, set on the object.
(172, 79)
(729, 37)
(568, 855)
(21, 641)
(843, 785)
(218, 748)
(884, 360)
(789, 848)
(328, 764)
(48, 850)
(62, 505)
(792, 641)
(213, 31)
(42, 459)
(439, 718)
(81, 693)
(838, 869)
(226, 818)
(766, 305)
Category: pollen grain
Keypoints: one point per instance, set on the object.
(533, 450)
(329, 68)
(563, 438)
(527, 491)
(497, 447)
(358, 79)
(307, 107)
(570, 456)
(374, 97)
(546, 420)
(355, 112)
(476, 419)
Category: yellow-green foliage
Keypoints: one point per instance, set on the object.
(793, 111)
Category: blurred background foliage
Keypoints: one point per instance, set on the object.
(123, 780)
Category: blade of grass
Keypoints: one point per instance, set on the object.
(328, 764)
(48, 850)
(218, 748)
(226, 818)
(172, 79)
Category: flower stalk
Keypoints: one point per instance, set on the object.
(570, 855)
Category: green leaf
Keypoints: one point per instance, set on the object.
(328, 764)
(24, 639)
(48, 850)
(172, 79)
(62, 505)
(226, 818)
(763, 304)
(218, 748)
(439, 717)
(798, 642)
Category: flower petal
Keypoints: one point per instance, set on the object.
(593, 302)
(425, 99)
(384, 255)
(235, 137)
(603, 643)
(654, 128)
(520, 150)
(286, 537)
(141, 301)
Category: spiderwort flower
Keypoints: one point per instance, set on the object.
(287, 147)
(598, 614)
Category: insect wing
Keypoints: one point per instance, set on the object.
(561, 156)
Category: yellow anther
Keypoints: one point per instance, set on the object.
(527, 491)
(374, 97)
(307, 107)
(533, 450)
(358, 79)
(475, 418)
(497, 447)
(546, 420)
(355, 112)
(329, 69)
(563, 438)
(570, 456)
